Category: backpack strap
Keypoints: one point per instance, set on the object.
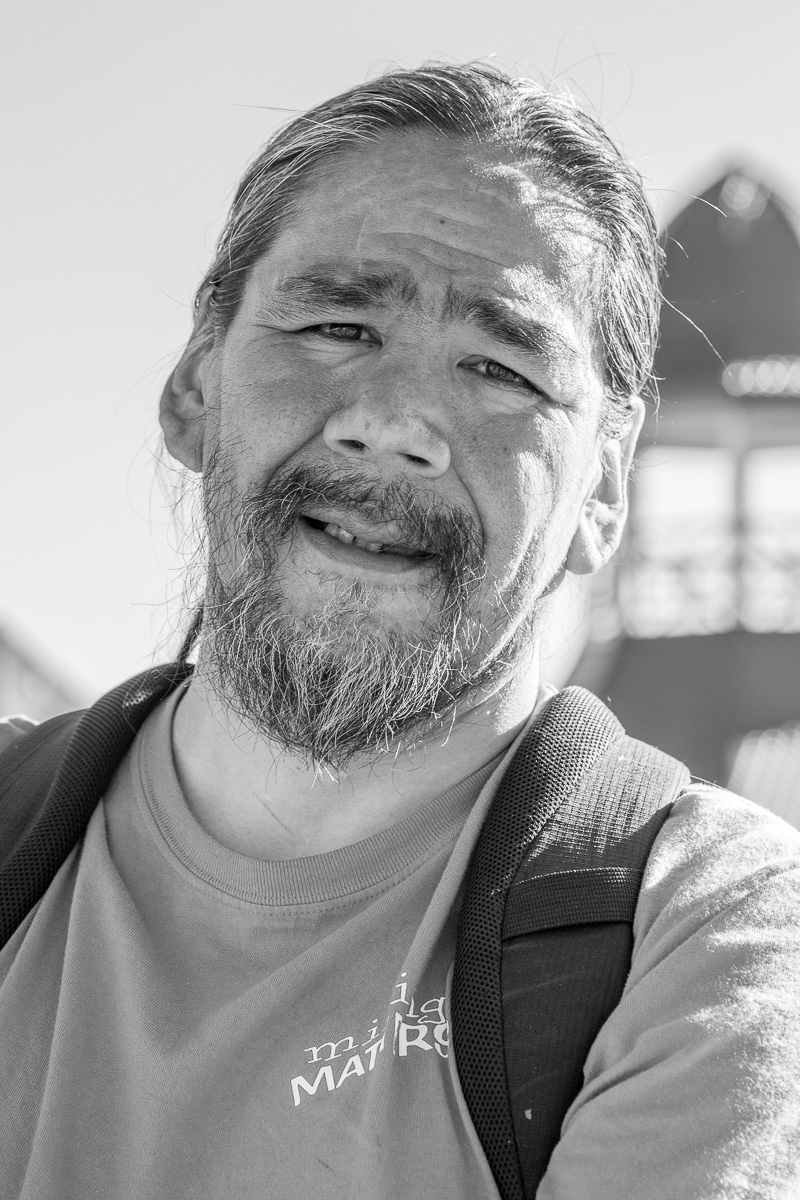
(52, 778)
(544, 941)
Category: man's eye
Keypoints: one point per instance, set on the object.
(340, 331)
(496, 371)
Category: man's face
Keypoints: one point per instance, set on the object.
(402, 419)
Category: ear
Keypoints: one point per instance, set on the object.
(183, 409)
(605, 509)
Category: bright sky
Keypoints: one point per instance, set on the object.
(127, 126)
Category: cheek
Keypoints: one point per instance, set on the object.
(269, 409)
(532, 505)
(516, 503)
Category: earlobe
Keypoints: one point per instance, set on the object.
(605, 510)
(182, 416)
(183, 409)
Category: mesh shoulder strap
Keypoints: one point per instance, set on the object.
(544, 938)
(52, 778)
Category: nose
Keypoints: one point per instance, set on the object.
(389, 422)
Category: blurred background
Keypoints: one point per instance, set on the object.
(125, 131)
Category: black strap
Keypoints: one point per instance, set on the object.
(556, 873)
(52, 778)
(27, 768)
(593, 895)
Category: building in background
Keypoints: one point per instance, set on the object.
(695, 631)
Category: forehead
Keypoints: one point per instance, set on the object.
(450, 215)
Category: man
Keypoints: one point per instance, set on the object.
(412, 397)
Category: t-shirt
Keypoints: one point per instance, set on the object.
(178, 1020)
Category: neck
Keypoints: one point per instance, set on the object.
(256, 798)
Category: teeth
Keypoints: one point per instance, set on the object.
(350, 539)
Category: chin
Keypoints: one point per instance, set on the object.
(346, 677)
(358, 608)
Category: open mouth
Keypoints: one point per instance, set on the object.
(339, 534)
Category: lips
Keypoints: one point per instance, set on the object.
(368, 539)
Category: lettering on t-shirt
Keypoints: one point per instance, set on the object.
(409, 1027)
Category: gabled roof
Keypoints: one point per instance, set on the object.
(733, 268)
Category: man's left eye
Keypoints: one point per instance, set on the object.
(341, 331)
(500, 374)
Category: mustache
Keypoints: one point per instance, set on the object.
(444, 530)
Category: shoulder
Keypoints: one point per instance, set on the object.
(715, 842)
(12, 727)
(716, 854)
(695, 1075)
(720, 903)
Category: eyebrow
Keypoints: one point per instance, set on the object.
(319, 285)
(501, 323)
(322, 285)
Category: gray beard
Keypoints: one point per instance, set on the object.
(338, 684)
